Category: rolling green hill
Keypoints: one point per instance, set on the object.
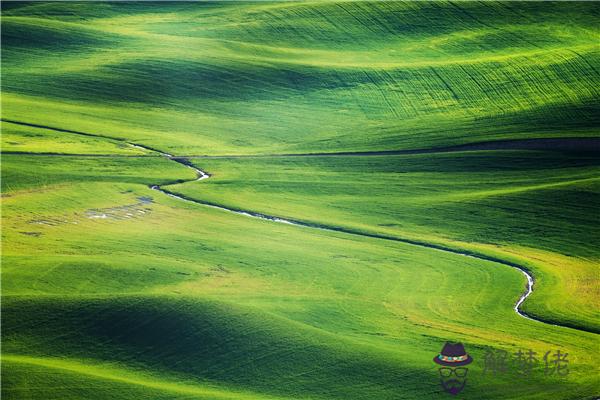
(111, 289)
(283, 77)
(535, 207)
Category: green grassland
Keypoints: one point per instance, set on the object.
(26, 139)
(187, 297)
(281, 77)
(535, 207)
(113, 290)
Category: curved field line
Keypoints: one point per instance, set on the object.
(584, 144)
(201, 175)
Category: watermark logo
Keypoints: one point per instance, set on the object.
(522, 363)
(453, 360)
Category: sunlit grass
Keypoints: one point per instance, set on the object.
(113, 290)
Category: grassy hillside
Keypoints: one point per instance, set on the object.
(179, 295)
(111, 289)
(537, 207)
(272, 77)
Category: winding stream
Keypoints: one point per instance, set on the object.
(201, 175)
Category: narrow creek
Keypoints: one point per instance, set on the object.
(202, 175)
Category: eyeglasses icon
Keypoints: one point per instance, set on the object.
(447, 372)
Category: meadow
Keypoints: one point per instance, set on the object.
(537, 208)
(114, 290)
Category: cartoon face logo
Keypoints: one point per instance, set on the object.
(453, 373)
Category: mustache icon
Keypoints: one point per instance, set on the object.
(453, 386)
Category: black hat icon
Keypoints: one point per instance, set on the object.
(453, 355)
